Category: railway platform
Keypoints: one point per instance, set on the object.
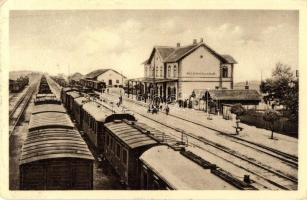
(217, 123)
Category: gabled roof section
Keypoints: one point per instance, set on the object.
(229, 59)
(179, 53)
(94, 74)
(163, 51)
(174, 54)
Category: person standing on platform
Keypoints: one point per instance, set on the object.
(167, 109)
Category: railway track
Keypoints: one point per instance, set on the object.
(276, 178)
(285, 157)
(19, 108)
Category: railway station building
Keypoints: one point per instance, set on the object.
(173, 72)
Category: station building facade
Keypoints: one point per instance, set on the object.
(174, 72)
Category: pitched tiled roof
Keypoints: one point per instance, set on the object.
(94, 74)
(229, 59)
(233, 95)
(164, 51)
(179, 53)
(173, 54)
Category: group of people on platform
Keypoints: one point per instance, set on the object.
(154, 108)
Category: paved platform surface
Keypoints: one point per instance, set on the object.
(250, 133)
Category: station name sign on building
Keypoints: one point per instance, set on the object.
(201, 73)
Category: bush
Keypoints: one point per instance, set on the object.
(237, 109)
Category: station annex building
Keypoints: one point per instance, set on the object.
(172, 73)
(110, 77)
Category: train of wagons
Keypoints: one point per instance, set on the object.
(19, 84)
(139, 154)
(54, 155)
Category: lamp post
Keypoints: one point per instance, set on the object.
(207, 99)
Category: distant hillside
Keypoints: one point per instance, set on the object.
(13, 75)
(253, 85)
(76, 76)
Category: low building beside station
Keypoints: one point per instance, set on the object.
(224, 99)
(172, 73)
(110, 77)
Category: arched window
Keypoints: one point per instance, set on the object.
(175, 71)
(169, 71)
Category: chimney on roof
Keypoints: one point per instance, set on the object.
(201, 40)
(246, 85)
(194, 41)
(178, 44)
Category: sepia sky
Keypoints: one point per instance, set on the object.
(82, 41)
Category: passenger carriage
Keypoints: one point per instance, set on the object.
(77, 110)
(94, 117)
(159, 172)
(70, 96)
(64, 97)
(124, 143)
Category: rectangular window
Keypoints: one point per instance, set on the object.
(118, 150)
(107, 139)
(145, 181)
(125, 156)
(225, 72)
(117, 81)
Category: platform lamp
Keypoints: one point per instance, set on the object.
(207, 99)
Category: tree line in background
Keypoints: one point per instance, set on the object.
(282, 89)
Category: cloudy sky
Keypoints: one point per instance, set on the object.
(81, 41)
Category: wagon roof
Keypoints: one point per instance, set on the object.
(48, 108)
(129, 135)
(54, 143)
(81, 100)
(182, 174)
(97, 111)
(74, 94)
(50, 119)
